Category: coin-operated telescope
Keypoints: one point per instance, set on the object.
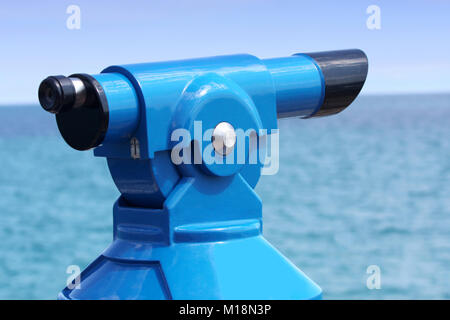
(188, 223)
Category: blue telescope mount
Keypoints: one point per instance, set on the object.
(188, 223)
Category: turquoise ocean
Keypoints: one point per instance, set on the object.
(370, 186)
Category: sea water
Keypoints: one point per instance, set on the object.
(368, 187)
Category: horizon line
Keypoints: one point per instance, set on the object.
(364, 94)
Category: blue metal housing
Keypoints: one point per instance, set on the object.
(193, 231)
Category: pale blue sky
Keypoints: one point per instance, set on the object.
(411, 52)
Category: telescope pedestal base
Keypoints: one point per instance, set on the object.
(150, 258)
(248, 268)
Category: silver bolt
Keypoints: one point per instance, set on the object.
(80, 92)
(223, 138)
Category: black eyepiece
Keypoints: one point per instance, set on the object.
(56, 94)
(80, 106)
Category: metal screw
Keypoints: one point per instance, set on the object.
(223, 138)
(134, 149)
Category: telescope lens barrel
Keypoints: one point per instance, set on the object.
(105, 108)
(344, 73)
(317, 84)
(298, 85)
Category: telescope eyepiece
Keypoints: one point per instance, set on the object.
(80, 106)
(57, 94)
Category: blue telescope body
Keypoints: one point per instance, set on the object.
(193, 230)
